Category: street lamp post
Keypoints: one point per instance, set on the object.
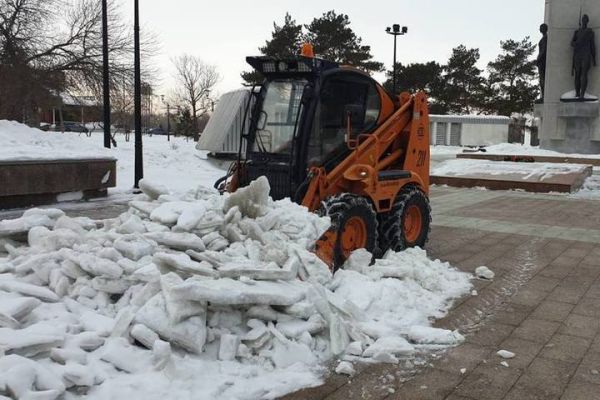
(105, 75)
(396, 31)
(139, 165)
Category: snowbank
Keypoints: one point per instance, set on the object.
(202, 296)
(20, 142)
(540, 171)
(176, 162)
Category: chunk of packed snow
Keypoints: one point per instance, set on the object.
(345, 368)
(250, 200)
(152, 189)
(229, 292)
(484, 273)
(506, 354)
(429, 335)
(394, 345)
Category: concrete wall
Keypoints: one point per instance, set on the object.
(562, 17)
(483, 135)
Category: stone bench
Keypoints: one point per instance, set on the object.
(35, 182)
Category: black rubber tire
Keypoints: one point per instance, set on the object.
(391, 231)
(340, 209)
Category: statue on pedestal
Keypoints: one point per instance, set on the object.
(584, 54)
(541, 59)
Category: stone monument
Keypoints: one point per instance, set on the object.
(569, 118)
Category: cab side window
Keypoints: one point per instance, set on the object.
(338, 94)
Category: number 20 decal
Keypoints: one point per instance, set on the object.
(421, 156)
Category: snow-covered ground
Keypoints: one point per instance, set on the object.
(202, 296)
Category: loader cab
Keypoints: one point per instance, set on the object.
(302, 116)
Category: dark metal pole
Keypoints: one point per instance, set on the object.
(105, 75)
(139, 165)
(168, 122)
(394, 85)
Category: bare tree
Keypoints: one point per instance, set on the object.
(51, 46)
(195, 80)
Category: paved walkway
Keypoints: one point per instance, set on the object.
(543, 305)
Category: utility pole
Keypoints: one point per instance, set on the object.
(105, 75)
(139, 165)
(396, 31)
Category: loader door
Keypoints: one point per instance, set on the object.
(340, 92)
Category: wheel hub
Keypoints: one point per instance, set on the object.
(413, 222)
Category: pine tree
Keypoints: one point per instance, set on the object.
(415, 77)
(184, 123)
(512, 76)
(334, 40)
(462, 82)
(285, 42)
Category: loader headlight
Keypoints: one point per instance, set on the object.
(268, 67)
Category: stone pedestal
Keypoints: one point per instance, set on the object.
(568, 127)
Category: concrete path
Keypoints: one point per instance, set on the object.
(543, 305)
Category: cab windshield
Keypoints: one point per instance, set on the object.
(279, 116)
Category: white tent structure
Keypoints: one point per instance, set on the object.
(222, 134)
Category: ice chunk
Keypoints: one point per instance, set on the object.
(27, 289)
(78, 374)
(134, 247)
(88, 341)
(144, 207)
(95, 265)
(314, 268)
(228, 347)
(345, 368)
(359, 261)
(191, 217)
(18, 307)
(98, 323)
(189, 334)
(28, 341)
(504, 364)
(178, 309)
(264, 272)
(62, 356)
(133, 224)
(429, 335)
(230, 292)
(251, 200)
(147, 273)
(168, 213)
(152, 189)
(146, 336)
(484, 273)
(161, 354)
(178, 240)
(395, 345)
(119, 353)
(183, 262)
(354, 349)
(506, 354)
(122, 322)
(111, 286)
(42, 238)
(7, 321)
(295, 328)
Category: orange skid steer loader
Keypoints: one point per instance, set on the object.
(331, 138)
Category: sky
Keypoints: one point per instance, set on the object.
(224, 32)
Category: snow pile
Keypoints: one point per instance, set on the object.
(20, 142)
(202, 296)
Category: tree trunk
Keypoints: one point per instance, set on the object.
(195, 119)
